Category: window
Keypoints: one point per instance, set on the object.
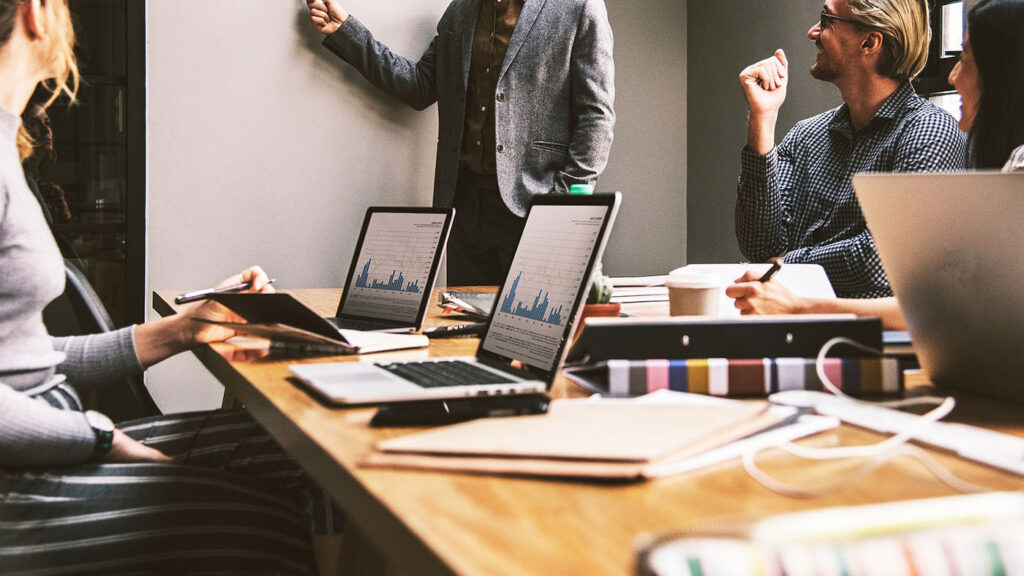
(947, 42)
(92, 180)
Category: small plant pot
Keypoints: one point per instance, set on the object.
(611, 309)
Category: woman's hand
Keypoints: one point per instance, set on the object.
(199, 332)
(126, 449)
(163, 338)
(754, 297)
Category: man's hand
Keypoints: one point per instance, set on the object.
(327, 16)
(764, 84)
(754, 297)
(127, 449)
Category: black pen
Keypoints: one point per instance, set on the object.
(206, 293)
(458, 330)
(776, 266)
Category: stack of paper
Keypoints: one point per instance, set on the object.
(476, 304)
(639, 289)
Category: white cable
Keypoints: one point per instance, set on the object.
(926, 459)
(876, 454)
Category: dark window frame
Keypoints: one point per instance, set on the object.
(935, 77)
(135, 163)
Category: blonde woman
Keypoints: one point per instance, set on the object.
(171, 494)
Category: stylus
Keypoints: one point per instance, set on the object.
(458, 330)
(776, 266)
(206, 293)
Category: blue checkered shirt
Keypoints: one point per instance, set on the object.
(798, 201)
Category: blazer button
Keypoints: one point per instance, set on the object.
(501, 149)
(501, 97)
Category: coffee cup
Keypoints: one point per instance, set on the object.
(693, 294)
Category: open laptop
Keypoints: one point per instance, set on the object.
(951, 245)
(527, 335)
(391, 277)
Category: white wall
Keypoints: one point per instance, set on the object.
(265, 148)
(648, 158)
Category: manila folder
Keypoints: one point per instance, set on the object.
(577, 439)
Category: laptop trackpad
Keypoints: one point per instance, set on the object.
(342, 377)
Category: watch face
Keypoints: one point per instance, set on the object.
(103, 427)
(99, 421)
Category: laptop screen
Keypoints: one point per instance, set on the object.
(549, 276)
(396, 259)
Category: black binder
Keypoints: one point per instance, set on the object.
(686, 338)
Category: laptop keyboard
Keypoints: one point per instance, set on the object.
(358, 324)
(444, 373)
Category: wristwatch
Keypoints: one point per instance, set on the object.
(103, 427)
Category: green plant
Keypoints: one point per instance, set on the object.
(600, 288)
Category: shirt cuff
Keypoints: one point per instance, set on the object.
(755, 167)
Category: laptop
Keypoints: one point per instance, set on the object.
(951, 245)
(393, 269)
(525, 341)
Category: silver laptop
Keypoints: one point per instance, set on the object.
(953, 248)
(527, 335)
(393, 269)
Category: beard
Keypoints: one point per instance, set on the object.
(822, 69)
(823, 73)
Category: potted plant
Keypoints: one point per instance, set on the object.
(598, 300)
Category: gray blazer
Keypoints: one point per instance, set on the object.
(553, 111)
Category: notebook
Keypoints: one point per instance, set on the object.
(951, 245)
(391, 277)
(602, 439)
(526, 337)
(291, 325)
(805, 280)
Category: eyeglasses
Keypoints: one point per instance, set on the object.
(825, 17)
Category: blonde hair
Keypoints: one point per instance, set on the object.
(62, 40)
(906, 33)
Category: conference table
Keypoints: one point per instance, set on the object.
(449, 523)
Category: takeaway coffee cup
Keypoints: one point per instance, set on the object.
(693, 294)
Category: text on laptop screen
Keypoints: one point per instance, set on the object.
(393, 266)
(550, 267)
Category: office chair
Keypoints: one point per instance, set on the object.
(80, 311)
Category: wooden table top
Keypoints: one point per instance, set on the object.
(442, 523)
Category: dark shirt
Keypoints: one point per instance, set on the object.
(494, 27)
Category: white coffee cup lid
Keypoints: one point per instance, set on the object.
(692, 279)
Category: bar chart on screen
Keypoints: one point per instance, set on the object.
(546, 276)
(393, 268)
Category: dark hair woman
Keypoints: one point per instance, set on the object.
(990, 80)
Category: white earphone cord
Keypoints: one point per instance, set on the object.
(876, 454)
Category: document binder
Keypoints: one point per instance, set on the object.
(743, 377)
(713, 337)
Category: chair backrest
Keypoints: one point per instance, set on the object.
(80, 311)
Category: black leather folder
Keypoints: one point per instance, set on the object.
(685, 338)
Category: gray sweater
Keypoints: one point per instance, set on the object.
(31, 361)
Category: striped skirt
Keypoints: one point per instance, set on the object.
(233, 502)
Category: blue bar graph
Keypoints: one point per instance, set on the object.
(393, 283)
(539, 310)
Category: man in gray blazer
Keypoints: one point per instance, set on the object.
(524, 92)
